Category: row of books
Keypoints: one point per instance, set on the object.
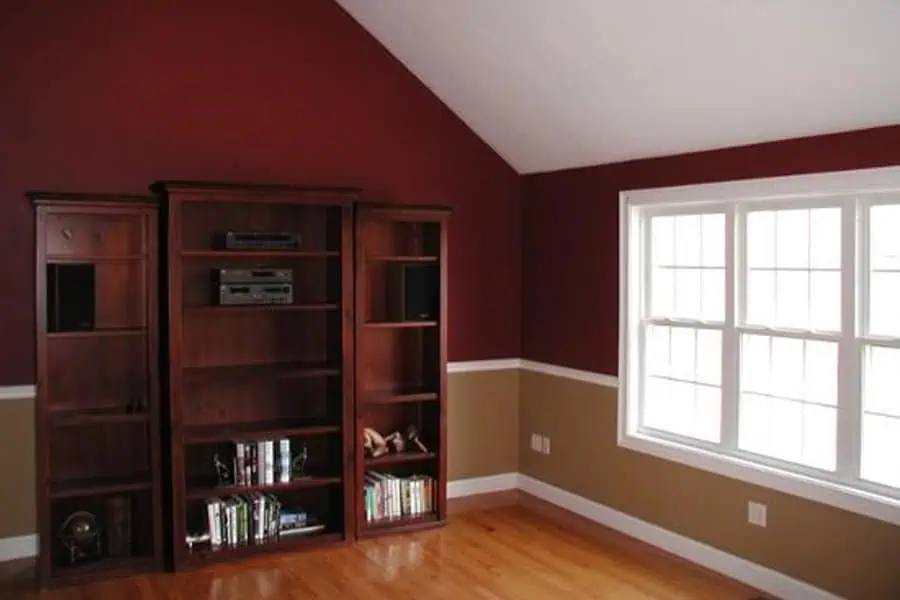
(264, 462)
(390, 497)
(254, 518)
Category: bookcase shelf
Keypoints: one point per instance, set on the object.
(399, 457)
(239, 468)
(400, 376)
(97, 423)
(199, 434)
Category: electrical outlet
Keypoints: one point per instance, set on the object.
(756, 514)
(536, 443)
(545, 448)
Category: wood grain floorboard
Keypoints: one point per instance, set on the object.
(521, 551)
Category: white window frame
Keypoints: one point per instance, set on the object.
(850, 188)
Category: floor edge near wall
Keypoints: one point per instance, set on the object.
(480, 493)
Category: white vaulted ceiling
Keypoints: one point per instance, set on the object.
(552, 84)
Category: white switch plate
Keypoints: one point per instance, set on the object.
(546, 445)
(756, 514)
(536, 442)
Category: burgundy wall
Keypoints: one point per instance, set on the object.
(570, 226)
(110, 95)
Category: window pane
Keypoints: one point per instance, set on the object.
(713, 298)
(792, 299)
(688, 293)
(683, 351)
(792, 239)
(787, 368)
(881, 383)
(884, 301)
(713, 245)
(687, 266)
(825, 238)
(707, 416)
(786, 425)
(787, 406)
(687, 240)
(761, 297)
(825, 300)
(662, 238)
(761, 239)
(753, 430)
(709, 356)
(755, 361)
(821, 372)
(880, 460)
(657, 350)
(662, 293)
(819, 437)
(884, 243)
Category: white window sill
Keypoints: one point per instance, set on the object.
(857, 501)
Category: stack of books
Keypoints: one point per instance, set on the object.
(265, 462)
(389, 497)
(252, 519)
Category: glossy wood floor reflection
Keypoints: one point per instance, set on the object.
(508, 552)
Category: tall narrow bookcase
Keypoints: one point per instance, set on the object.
(401, 359)
(99, 484)
(260, 385)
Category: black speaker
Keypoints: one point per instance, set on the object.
(421, 292)
(70, 297)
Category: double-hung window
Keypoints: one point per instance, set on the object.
(760, 332)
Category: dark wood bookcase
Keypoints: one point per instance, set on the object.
(99, 485)
(254, 387)
(401, 358)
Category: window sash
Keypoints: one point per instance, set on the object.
(852, 340)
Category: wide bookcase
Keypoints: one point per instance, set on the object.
(401, 356)
(260, 379)
(99, 483)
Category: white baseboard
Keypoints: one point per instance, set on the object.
(482, 485)
(757, 576)
(23, 546)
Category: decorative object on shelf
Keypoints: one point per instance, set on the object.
(396, 441)
(223, 475)
(412, 434)
(375, 445)
(298, 463)
(193, 539)
(80, 535)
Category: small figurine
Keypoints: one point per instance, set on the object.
(374, 444)
(222, 472)
(298, 465)
(412, 434)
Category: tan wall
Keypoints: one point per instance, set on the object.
(17, 508)
(482, 423)
(844, 553)
(482, 426)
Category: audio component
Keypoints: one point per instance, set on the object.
(259, 240)
(253, 286)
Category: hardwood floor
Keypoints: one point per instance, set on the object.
(521, 551)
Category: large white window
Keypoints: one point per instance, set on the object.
(760, 332)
